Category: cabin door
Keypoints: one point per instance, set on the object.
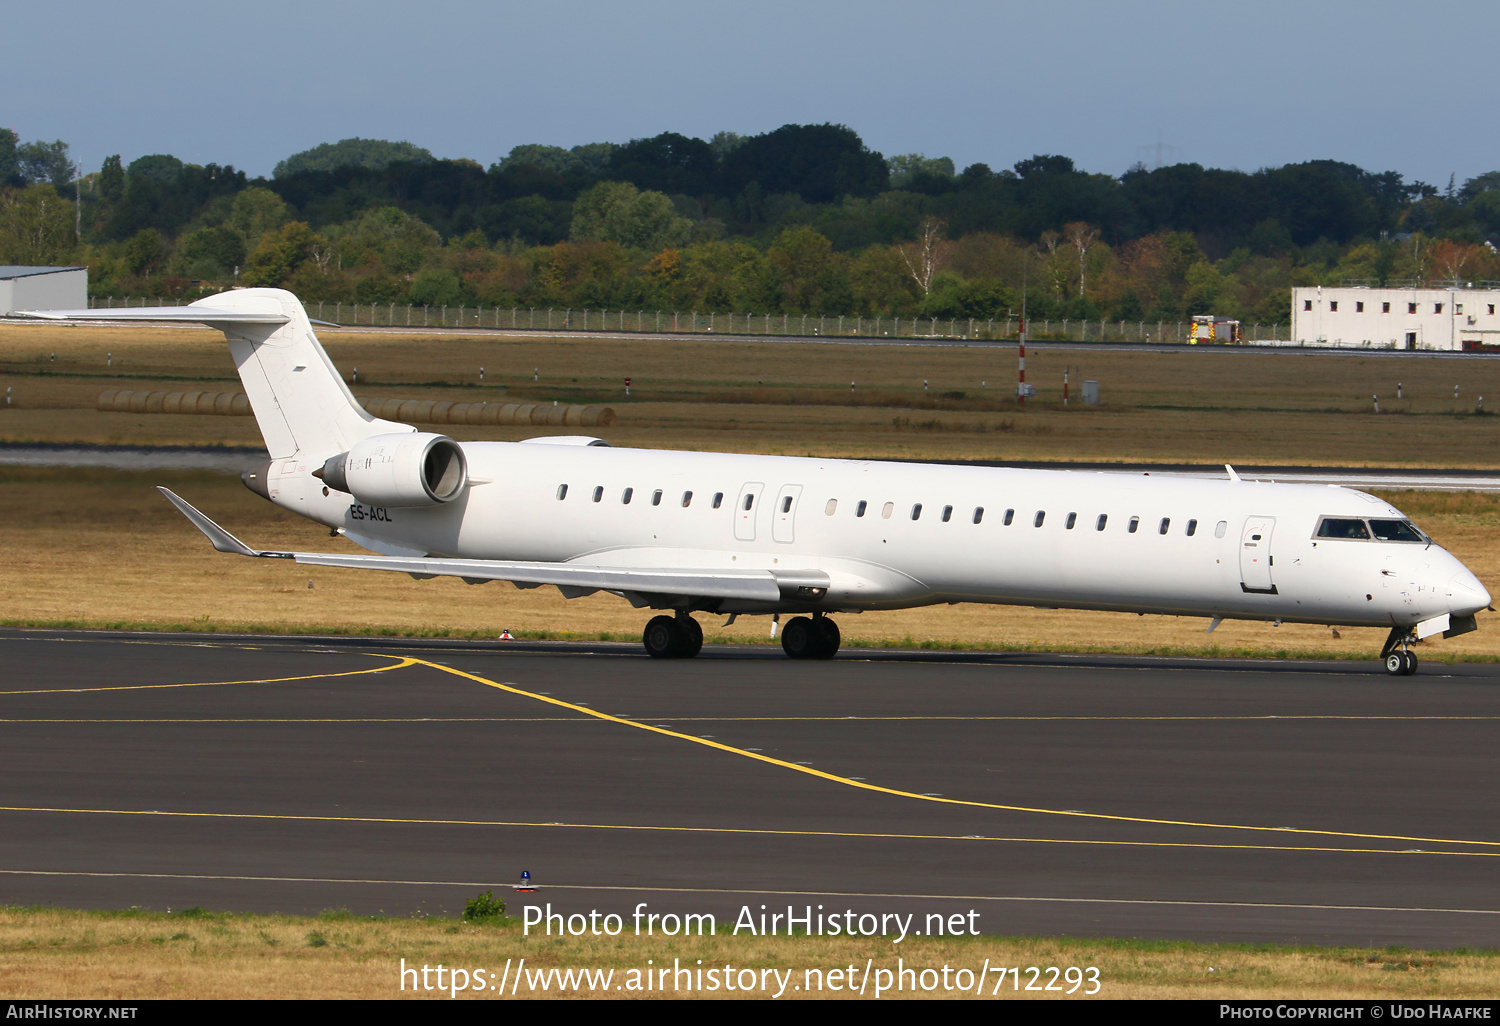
(784, 516)
(745, 511)
(1255, 555)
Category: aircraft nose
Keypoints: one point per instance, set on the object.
(1466, 596)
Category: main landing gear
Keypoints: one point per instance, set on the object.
(680, 637)
(1400, 661)
(810, 637)
(673, 637)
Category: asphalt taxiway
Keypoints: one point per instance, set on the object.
(1104, 796)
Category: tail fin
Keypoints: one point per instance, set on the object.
(299, 399)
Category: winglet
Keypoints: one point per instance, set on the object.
(1232, 475)
(222, 539)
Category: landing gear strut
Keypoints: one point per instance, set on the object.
(673, 637)
(1400, 661)
(810, 637)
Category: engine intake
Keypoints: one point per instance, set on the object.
(420, 469)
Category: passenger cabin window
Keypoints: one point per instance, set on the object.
(599, 493)
(718, 499)
(887, 510)
(1307, 304)
(1135, 523)
(1492, 309)
(656, 497)
(978, 514)
(1339, 527)
(1411, 307)
(1192, 528)
(1036, 521)
(1166, 522)
(859, 510)
(1359, 308)
(1072, 519)
(1437, 307)
(916, 511)
(947, 513)
(687, 499)
(832, 507)
(1397, 531)
(1103, 519)
(1220, 528)
(562, 492)
(625, 496)
(1010, 515)
(786, 504)
(749, 500)
(1385, 308)
(1334, 306)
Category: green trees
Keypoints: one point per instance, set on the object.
(36, 226)
(619, 212)
(356, 152)
(278, 255)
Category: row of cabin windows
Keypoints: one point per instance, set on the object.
(1411, 308)
(656, 496)
(1100, 523)
(889, 509)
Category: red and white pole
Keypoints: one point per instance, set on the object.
(1021, 388)
(1065, 386)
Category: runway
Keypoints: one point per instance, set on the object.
(1089, 796)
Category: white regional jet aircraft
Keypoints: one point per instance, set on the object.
(729, 534)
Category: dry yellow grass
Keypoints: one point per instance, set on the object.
(143, 955)
(1208, 405)
(100, 549)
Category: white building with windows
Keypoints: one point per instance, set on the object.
(1395, 318)
(42, 288)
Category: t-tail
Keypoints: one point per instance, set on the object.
(300, 402)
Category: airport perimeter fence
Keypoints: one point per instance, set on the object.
(400, 315)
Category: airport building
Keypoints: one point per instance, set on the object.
(43, 288)
(1362, 317)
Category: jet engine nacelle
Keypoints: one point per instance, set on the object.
(420, 469)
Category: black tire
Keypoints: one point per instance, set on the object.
(691, 632)
(800, 639)
(828, 637)
(662, 638)
(1411, 664)
(1395, 664)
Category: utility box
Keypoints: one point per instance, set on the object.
(1025, 391)
(1091, 393)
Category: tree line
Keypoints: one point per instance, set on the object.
(803, 219)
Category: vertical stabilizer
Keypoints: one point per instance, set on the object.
(300, 401)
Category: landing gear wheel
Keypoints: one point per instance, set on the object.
(1401, 663)
(663, 638)
(800, 639)
(828, 637)
(692, 637)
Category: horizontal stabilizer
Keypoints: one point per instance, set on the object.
(747, 584)
(190, 314)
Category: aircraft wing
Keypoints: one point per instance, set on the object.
(573, 578)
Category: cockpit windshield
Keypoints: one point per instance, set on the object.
(1352, 528)
(1396, 530)
(1334, 527)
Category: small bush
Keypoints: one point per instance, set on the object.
(485, 906)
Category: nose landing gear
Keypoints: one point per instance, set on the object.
(1399, 660)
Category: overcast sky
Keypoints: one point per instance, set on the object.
(1383, 85)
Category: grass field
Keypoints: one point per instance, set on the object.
(192, 953)
(1208, 406)
(102, 549)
